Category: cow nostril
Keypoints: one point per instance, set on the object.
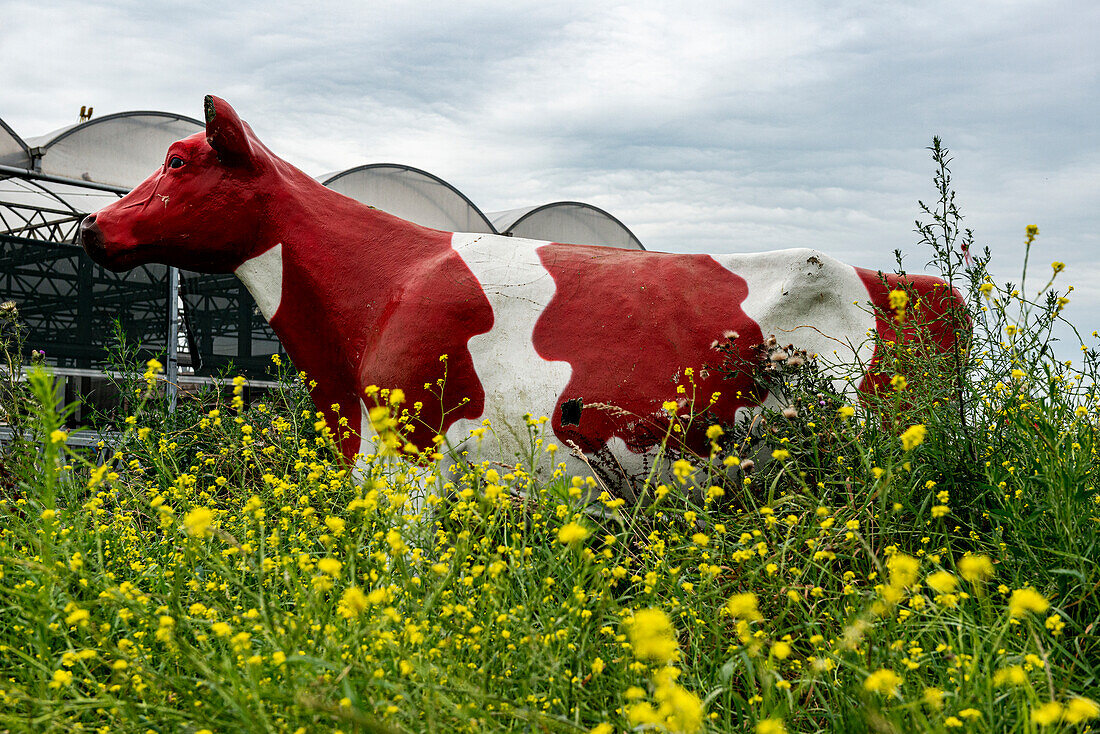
(91, 236)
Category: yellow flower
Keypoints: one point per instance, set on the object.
(903, 570)
(1013, 675)
(1058, 266)
(970, 714)
(681, 709)
(976, 568)
(744, 606)
(845, 411)
(899, 299)
(1018, 374)
(913, 437)
(642, 713)
(940, 511)
(331, 566)
(770, 726)
(598, 665)
(76, 616)
(652, 636)
(781, 454)
(942, 581)
(61, 678)
(781, 650)
(58, 437)
(1047, 714)
(221, 629)
(1027, 600)
(1032, 231)
(933, 698)
(197, 521)
(604, 728)
(572, 532)
(884, 681)
(335, 525)
(1080, 709)
(352, 603)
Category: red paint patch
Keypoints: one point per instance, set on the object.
(629, 322)
(384, 319)
(931, 318)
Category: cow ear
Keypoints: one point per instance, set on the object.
(225, 132)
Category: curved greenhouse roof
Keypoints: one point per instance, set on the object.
(411, 194)
(13, 151)
(573, 222)
(80, 168)
(119, 150)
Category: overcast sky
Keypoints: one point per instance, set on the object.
(708, 127)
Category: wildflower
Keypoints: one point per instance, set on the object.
(781, 650)
(986, 288)
(970, 714)
(58, 437)
(975, 568)
(61, 678)
(331, 566)
(652, 636)
(572, 532)
(845, 411)
(76, 616)
(714, 432)
(883, 681)
(598, 665)
(744, 606)
(335, 525)
(1047, 714)
(1032, 232)
(939, 511)
(933, 697)
(913, 437)
(1055, 624)
(899, 299)
(682, 469)
(903, 570)
(942, 582)
(770, 726)
(603, 728)
(1026, 600)
(1058, 266)
(221, 629)
(1013, 675)
(681, 709)
(1080, 709)
(1018, 374)
(197, 521)
(781, 454)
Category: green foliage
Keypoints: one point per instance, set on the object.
(920, 557)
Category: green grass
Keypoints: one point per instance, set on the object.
(224, 572)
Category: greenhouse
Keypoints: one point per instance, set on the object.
(202, 323)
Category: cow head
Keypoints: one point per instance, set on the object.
(201, 210)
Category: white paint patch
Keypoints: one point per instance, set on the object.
(812, 301)
(263, 277)
(515, 378)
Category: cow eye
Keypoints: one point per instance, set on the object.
(175, 162)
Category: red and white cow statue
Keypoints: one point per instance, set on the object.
(360, 297)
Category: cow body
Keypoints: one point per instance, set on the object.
(360, 298)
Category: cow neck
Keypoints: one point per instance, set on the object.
(344, 268)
